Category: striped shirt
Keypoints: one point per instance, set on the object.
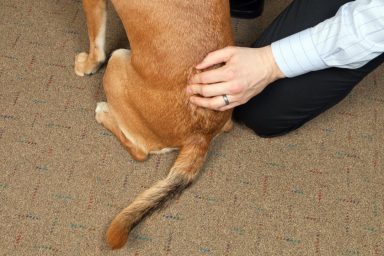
(350, 39)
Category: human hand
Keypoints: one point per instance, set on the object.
(247, 71)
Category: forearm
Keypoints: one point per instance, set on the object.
(353, 37)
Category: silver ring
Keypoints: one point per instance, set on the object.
(225, 97)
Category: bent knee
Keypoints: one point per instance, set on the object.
(268, 126)
(269, 129)
(120, 53)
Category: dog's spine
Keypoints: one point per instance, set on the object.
(182, 173)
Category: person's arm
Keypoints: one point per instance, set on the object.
(350, 39)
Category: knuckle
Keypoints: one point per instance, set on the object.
(242, 101)
(228, 51)
(203, 91)
(231, 48)
(215, 105)
(203, 79)
(195, 89)
(213, 54)
(236, 88)
(230, 74)
(196, 78)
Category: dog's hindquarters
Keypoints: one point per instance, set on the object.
(147, 105)
(182, 173)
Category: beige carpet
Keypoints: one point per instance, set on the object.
(316, 191)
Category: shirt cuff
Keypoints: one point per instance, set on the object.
(296, 54)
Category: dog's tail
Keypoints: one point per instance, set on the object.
(182, 173)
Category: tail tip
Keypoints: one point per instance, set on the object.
(117, 236)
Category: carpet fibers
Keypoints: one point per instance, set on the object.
(316, 191)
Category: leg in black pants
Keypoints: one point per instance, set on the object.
(287, 104)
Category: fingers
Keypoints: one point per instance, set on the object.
(212, 103)
(231, 105)
(209, 86)
(217, 75)
(216, 57)
(210, 90)
(215, 103)
(212, 76)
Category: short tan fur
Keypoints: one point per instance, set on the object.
(147, 106)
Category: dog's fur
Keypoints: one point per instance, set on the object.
(147, 105)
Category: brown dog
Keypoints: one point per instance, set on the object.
(147, 105)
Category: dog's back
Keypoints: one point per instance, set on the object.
(169, 37)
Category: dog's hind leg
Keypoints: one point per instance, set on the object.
(105, 117)
(108, 114)
(96, 15)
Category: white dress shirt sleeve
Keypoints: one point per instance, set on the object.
(350, 39)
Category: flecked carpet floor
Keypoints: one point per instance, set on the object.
(63, 177)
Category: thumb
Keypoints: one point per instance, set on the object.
(216, 57)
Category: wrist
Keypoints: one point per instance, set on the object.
(274, 69)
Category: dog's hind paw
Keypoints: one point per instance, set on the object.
(101, 109)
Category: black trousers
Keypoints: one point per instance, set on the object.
(288, 103)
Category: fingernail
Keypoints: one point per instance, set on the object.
(189, 90)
